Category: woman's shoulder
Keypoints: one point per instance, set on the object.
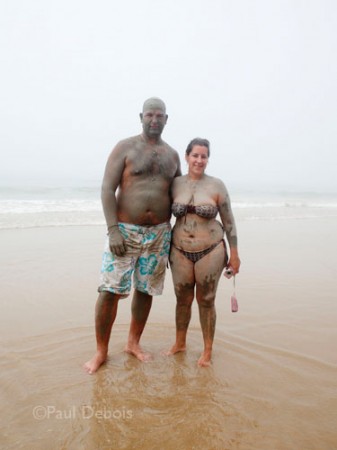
(179, 180)
(214, 181)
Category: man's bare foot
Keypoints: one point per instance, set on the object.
(205, 359)
(175, 349)
(95, 362)
(135, 350)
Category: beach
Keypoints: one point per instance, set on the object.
(272, 383)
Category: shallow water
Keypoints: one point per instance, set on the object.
(253, 397)
(272, 384)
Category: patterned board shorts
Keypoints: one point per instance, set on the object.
(146, 259)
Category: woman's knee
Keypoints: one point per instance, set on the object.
(206, 299)
(184, 293)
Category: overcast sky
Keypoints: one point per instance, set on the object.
(257, 78)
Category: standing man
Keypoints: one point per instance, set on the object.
(142, 168)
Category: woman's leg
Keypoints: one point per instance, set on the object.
(207, 274)
(183, 279)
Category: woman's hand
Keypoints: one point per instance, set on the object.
(234, 262)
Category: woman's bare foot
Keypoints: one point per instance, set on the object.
(95, 362)
(205, 359)
(175, 349)
(135, 350)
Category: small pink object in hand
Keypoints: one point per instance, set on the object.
(234, 303)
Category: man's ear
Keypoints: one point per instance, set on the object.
(141, 117)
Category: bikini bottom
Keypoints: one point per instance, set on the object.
(196, 256)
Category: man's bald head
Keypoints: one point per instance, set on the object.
(154, 103)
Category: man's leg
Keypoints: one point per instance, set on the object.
(105, 314)
(140, 309)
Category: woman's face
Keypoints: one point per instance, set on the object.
(197, 160)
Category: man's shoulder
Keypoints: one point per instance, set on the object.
(168, 146)
(129, 141)
(125, 145)
(170, 150)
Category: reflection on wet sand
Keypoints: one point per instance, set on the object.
(249, 398)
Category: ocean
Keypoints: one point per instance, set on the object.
(272, 383)
(46, 206)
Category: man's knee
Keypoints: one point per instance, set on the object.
(107, 296)
(142, 296)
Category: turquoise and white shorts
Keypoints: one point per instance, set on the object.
(146, 259)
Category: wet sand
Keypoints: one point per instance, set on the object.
(272, 384)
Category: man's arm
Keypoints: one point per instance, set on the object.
(112, 177)
(178, 172)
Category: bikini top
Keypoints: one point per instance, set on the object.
(206, 211)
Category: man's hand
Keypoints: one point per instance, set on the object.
(116, 242)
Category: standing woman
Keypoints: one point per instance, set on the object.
(198, 251)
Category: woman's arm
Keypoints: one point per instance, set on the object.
(228, 222)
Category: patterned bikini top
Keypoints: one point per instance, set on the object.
(206, 211)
